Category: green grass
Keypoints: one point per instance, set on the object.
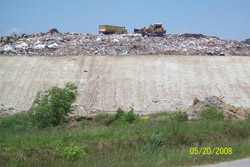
(143, 143)
(15, 123)
(212, 114)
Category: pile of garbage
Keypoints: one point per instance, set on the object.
(60, 44)
(247, 41)
(230, 112)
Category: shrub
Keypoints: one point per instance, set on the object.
(71, 153)
(212, 114)
(131, 117)
(52, 106)
(121, 121)
(119, 113)
(121, 118)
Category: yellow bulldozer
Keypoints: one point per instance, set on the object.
(153, 30)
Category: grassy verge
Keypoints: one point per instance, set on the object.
(104, 141)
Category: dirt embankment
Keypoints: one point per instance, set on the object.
(146, 83)
(230, 112)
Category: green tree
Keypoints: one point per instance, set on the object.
(53, 105)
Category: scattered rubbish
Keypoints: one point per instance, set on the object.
(222, 54)
(116, 40)
(247, 41)
(23, 45)
(7, 111)
(62, 44)
(197, 36)
(155, 101)
(95, 52)
(38, 42)
(124, 53)
(40, 46)
(7, 48)
(53, 46)
(98, 40)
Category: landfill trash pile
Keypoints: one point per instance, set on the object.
(247, 41)
(60, 44)
(230, 112)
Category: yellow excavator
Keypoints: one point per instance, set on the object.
(153, 30)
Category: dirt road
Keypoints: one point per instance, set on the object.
(146, 83)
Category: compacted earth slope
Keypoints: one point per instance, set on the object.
(145, 83)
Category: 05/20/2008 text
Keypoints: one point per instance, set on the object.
(211, 151)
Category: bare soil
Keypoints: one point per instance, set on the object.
(146, 83)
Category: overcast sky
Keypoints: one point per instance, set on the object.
(228, 19)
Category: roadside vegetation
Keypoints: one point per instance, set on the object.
(52, 106)
(120, 139)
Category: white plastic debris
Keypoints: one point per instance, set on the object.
(37, 42)
(7, 48)
(98, 40)
(116, 41)
(40, 46)
(53, 46)
(21, 46)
